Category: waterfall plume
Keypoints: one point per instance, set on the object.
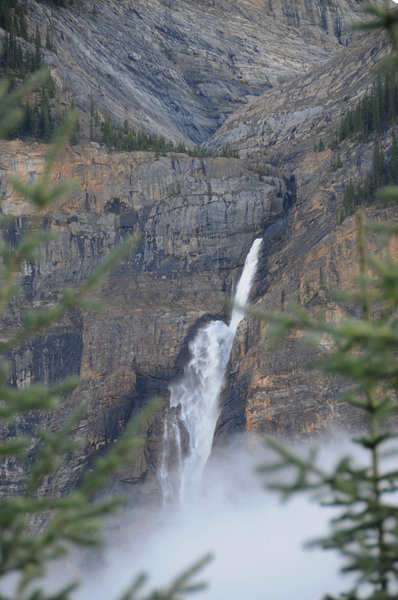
(194, 406)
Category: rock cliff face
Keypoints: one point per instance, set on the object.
(180, 69)
(197, 219)
(315, 255)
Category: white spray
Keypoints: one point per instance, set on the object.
(194, 406)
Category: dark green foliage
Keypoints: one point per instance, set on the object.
(228, 152)
(374, 112)
(13, 18)
(363, 351)
(384, 172)
(38, 119)
(37, 55)
(349, 199)
(200, 152)
(45, 123)
(16, 59)
(321, 280)
(17, 62)
(334, 144)
(181, 148)
(49, 42)
(38, 116)
(123, 137)
(393, 171)
(262, 171)
(336, 163)
(181, 585)
(378, 165)
(56, 3)
(73, 518)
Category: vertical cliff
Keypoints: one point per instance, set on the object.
(197, 218)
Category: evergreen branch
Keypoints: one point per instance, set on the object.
(37, 396)
(132, 439)
(35, 321)
(10, 113)
(53, 447)
(182, 585)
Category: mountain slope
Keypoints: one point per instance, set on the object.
(180, 68)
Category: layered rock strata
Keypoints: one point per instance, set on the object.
(179, 68)
(197, 219)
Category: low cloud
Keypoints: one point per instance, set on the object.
(257, 542)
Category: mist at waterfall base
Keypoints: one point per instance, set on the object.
(217, 505)
(213, 504)
(194, 404)
(257, 542)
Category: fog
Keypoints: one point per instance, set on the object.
(257, 542)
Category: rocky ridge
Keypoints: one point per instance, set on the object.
(179, 68)
(305, 108)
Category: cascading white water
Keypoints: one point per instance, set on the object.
(194, 400)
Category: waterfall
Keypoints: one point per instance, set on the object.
(191, 418)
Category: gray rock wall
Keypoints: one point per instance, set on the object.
(179, 71)
(197, 219)
(179, 68)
